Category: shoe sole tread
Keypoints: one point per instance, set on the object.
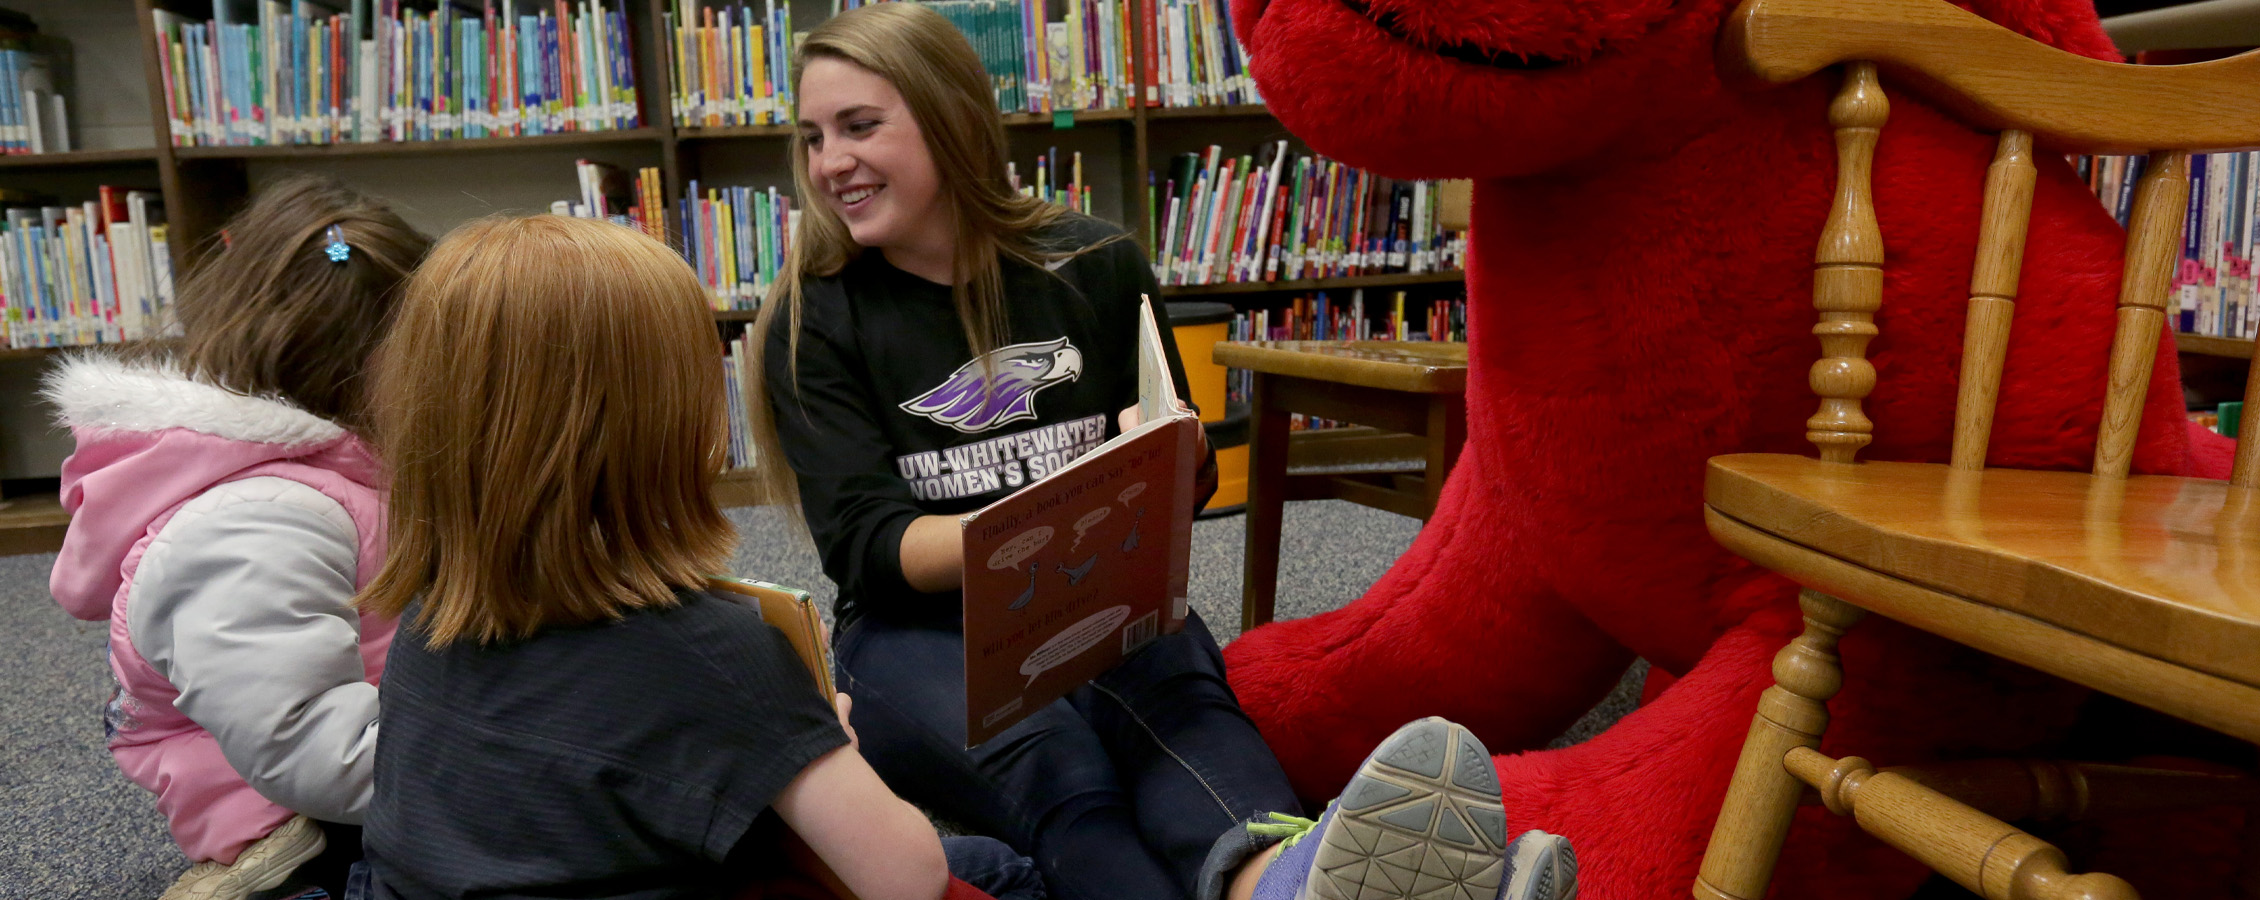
(1413, 839)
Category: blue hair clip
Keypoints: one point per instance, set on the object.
(338, 250)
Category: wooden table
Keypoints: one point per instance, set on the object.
(1416, 388)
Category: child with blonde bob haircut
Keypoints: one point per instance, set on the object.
(566, 712)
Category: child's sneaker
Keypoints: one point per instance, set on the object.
(263, 865)
(1421, 819)
(1540, 866)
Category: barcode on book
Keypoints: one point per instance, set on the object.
(1139, 632)
(1001, 712)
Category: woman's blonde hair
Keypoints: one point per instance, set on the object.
(948, 94)
(551, 403)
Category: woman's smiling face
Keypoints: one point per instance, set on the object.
(868, 158)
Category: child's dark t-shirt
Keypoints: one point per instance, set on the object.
(881, 416)
(620, 759)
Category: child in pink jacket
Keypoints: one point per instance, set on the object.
(224, 513)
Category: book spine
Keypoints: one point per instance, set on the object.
(2209, 260)
(1219, 266)
(1190, 227)
(1249, 245)
(2249, 232)
(1220, 198)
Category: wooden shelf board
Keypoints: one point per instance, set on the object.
(720, 132)
(1044, 120)
(424, 148)
(735, 315)
(32, 524)
(2206, 345)
(1235, 111)
(1312, 284)
(1011, 120)
(78, 159)
(7, 353)
(2204, 25)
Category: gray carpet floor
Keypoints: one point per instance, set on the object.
(72, 827)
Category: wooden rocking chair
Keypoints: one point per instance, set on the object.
(2144, 587)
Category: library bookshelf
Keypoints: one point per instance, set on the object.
(2213, 368)
(202, 185)
(2217, 347)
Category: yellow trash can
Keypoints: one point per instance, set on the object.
(1198, 328)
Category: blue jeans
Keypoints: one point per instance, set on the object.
(988, 864)
(981, 862)
(1118, 790)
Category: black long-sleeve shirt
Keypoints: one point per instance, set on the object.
(884, 420)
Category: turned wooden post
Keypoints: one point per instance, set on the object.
(2154, 241)
(1848, 272)
(1977, 851)
(1993, 294)
(1763, 796)
(2246, 472)
(2044, 790)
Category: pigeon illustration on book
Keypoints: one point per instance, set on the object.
(1030, 593)
(1076, 575)
(1131, 543)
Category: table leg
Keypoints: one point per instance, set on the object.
(1267, 496)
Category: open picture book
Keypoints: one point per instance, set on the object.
(1068, 576)
(792, 611)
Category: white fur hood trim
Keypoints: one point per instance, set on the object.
(98, 392)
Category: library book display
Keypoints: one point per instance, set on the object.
(669, 115)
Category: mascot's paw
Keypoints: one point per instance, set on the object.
(1318, 716)
(2210, 454)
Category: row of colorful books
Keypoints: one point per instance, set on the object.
(295, 75)
(1331, 221)
(1053, 182)
(732, 64)
(1262, 217)
(93, 273)
(34, 78)
(737, 375)
(1083, 60)
(1196, 59)
(1089, 61)
(2214, 289)
(735, 238)
(607, 192)
(1323, 316)
(1004, 33)
(1190, 49)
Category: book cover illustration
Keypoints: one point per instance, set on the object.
(1067, 577)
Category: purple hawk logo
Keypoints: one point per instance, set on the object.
(1020, 371)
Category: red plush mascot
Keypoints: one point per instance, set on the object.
(1640, 291)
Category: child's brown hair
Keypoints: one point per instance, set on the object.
(552, 405)
(270, 313)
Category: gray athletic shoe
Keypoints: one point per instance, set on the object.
(1421, 819)
(1540, 866)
